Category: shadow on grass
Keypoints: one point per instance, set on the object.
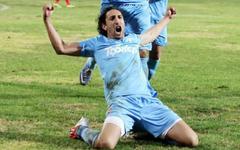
(65, 142)
(56, 141)
(40, 90)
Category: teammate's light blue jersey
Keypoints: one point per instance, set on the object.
(158, 10)
(122, 1)
(119, 63)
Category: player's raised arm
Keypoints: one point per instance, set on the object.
(58, 44)
(152, 33)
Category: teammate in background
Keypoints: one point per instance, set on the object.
(129, 101)
(68, 4)
(137, 19)
(158, 9)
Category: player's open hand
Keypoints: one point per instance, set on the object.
(47, 11)
(171, 11)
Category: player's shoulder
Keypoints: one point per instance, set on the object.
(95, 39)
(131, 37)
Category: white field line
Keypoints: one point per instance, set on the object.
(3, 7)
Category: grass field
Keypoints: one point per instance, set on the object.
(40, 95)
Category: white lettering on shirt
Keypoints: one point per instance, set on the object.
(112, 51)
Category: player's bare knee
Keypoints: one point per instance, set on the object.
(107, 143)
(193, 140)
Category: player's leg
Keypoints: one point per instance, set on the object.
(86, 72)
(183, 134)
(68, 4)
(112, 130)
(162, 122)
(107, 138)
(57, 4)
(116, 124)
(154, 59)
(82, 131)
(158, 10)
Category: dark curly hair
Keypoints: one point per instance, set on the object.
(102, 20)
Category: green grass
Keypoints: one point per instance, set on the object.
(40, 95)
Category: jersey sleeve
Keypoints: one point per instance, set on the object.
(88, 47)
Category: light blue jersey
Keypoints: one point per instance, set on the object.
(126, 86)
(119, 63)
(122, 1)
(158, 9)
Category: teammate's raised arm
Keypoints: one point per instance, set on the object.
(151, 34)
(58, 44)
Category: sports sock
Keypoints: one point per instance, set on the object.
(88, 135)
(152, 67)
(91, 63)
(144, 61)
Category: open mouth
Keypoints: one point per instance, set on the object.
(118, 29)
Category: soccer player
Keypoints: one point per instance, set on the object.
(158, 9)
(129, 102)
(57, 4)
(137, 20)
